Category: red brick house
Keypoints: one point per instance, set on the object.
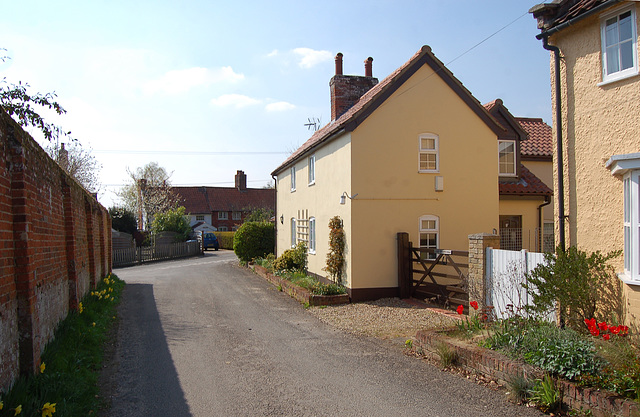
(224, 208)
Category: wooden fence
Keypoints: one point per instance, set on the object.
(438, 275)
(133, 256)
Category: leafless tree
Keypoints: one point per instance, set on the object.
(77, 162)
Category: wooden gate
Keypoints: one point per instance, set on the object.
(435, 275)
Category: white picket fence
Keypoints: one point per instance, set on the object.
(505, 274)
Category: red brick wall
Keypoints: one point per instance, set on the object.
(55, 241)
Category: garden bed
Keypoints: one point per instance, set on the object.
(492, 364)
(301, 294)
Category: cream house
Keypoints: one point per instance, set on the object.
(413, 153)
(525, 157)
(596, 98)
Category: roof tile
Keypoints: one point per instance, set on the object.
(209, 199)
(540, 141)
(528, 184)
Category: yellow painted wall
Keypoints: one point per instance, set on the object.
(527, 207)
(544, 171)
(392, 195)
(322, 199)
(598, 122)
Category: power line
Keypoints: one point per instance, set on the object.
(195, 184)
(207, 153)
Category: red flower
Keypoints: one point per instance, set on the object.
(624, 329)
(590, 323)
(485, 317)
(606, 336)
(474, 304)
(603, 326)
(460, 309)
(614, 329)
(594, 331)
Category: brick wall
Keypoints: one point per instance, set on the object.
(55, 242)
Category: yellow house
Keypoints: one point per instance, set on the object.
(414, 153)
(524, 150)
(596, 98)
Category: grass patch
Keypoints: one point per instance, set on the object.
(71, 361)
(300, 278)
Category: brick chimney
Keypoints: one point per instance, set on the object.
(346, 90)
(241, 180)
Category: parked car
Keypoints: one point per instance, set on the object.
(209, 240)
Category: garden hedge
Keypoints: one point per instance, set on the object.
(254, 240)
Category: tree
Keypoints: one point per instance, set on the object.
(148, 193)
(123, 220)
(77, 162)
(21, 105)
(174, 220)
(259, 214)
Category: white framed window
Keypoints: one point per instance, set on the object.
(199, 217)
(293, 178)
(627, 168)
(619, 45)
(236, 215)
(507, 158)
(312, 169)
(428, 154)
(294, 234)
(223, 215)
(312, 235)
(234, 228)
(429, 227)
(223, 229)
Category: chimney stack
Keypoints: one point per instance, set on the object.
(346, 90)
(339, 63)
(241, 181)
(368, 67)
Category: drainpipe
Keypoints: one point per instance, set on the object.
(547, 201)
(559, 157)
(275, 214)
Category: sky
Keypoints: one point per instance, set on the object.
(206, 88)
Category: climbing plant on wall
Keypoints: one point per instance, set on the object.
(335, 256)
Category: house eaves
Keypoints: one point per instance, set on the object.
(377, 95)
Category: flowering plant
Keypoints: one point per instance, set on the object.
(596, 329)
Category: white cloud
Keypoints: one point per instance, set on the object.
(273, 53)
(180, 81)
(234, 100)
(279, 106)
(310, 57)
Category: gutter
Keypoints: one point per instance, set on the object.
(308, 151)
(602, 6)
(547, 201)
(275, 214)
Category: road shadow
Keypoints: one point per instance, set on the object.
(140, 378)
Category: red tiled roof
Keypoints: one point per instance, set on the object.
(540, 141)
(380, 92)
(557, 12)
(528, 184)
(209, 199)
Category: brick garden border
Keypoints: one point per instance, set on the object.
(497, 366)
(301, 294)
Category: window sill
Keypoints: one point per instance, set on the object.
(428, 172)
(311, 183)
(627, 280)
(312, 252)
(614, 78)
(293, 191)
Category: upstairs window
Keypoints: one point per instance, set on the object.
(199, 217)
(507, 158)
(312, 169)
(618, 37)
(293, 178)
(236, 215)
(428, 160)
(223, 215)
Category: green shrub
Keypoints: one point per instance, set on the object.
(562, 352)
(335, 256)
(225, 239)
(174, 220)
(253, 240)
(123, 220)
(327, 289)
(546, 395)
(292, 259)
(583, 285)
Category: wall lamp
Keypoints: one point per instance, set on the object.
(344, 196)
(282, 219)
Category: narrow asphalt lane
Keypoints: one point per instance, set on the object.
(204, 337)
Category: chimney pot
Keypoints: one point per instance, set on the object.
(339, 63)
(241, 180)
(368, 67)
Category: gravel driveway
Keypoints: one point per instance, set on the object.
(388, 318)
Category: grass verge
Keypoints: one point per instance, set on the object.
(70, 364)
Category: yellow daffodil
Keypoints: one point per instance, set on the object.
(17, 410)
(42, 366)
(80, 308)
(1, 405)
(93, 324)
(48, 409)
